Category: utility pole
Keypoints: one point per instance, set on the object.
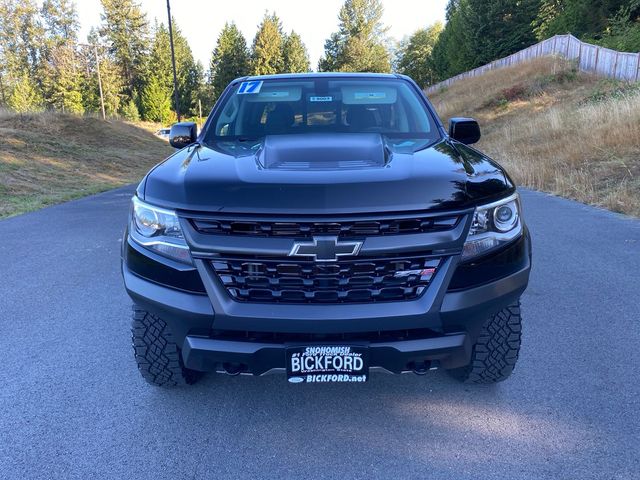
(4, 100)
(95, 51)
(173, 63)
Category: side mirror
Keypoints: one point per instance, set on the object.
(183, 134)
(464, 130)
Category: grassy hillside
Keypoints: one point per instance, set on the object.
(557, 130)
(48, 158)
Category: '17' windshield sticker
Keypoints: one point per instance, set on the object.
(250, 87)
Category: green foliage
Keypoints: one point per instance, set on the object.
(63, 83)
(156, 102)
(623, 32)
(129, 111)
(479, 31)
(230, 59)
(358, 45)
(61, 21)
(21, 40)
(189, 74)
(266, 57)
(112, 82)
(24, 97)
(414, 55)
(608, 88)
(582, 18)
(60, 77)
(126, 30)
(452, 53)
(295, 55)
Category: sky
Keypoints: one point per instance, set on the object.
(201, 20)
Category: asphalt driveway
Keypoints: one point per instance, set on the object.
(72, 404)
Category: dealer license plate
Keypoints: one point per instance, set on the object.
(327, 364)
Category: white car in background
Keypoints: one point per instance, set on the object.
(163, 133)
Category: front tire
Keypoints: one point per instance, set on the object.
(495, 353)
(156, 353)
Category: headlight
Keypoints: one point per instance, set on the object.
(493, 225)
(158, 230)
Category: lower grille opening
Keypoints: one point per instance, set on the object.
(346, 281)
(372, 336)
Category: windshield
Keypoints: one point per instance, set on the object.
(254, 109)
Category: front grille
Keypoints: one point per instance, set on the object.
(348, 281)
(341, 228)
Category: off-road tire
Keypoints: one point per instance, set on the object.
(495, 353)
(157, 355)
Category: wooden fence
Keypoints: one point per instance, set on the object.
(590, 58)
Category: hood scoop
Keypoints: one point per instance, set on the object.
(346, 151)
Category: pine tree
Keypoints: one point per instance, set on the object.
(126, 30)
(61, 79)
(21, 39)
(112, 87)
(480, 31)
(332, 48)
(358, 45)
(229, 60)
(588, 19)
(266, 57)
(295, 55)
(415, 55)
(189, 75)
(156, 102)
(24, 97)
(61, 20)
(129, 111)
(498, 28)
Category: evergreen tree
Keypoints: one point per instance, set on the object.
(188, 74)
(229, 60)
(156, 102)
(112, 87)
(61, 80)
(478, 32)
(295, 55)
(498, 28)
(24, 97)
(266, 56)
(358, 44)
(129, 111)
(21, 39)
(126, 30)
(623, 32)
(63, 85)
(61, 21)
(332, 48)
(587, 19)
(414, 56)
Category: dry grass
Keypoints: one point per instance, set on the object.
(47, 158)
(557, 130)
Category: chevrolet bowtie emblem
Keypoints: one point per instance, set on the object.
(325, 249)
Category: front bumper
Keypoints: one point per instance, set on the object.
(258, 358)
(217, 333)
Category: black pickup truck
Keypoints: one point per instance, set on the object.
(326, 226)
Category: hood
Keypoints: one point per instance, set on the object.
(325, 173)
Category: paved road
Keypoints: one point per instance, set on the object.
(72, 404)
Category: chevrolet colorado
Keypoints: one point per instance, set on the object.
(325, 226)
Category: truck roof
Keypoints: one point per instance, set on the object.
(318, 75)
